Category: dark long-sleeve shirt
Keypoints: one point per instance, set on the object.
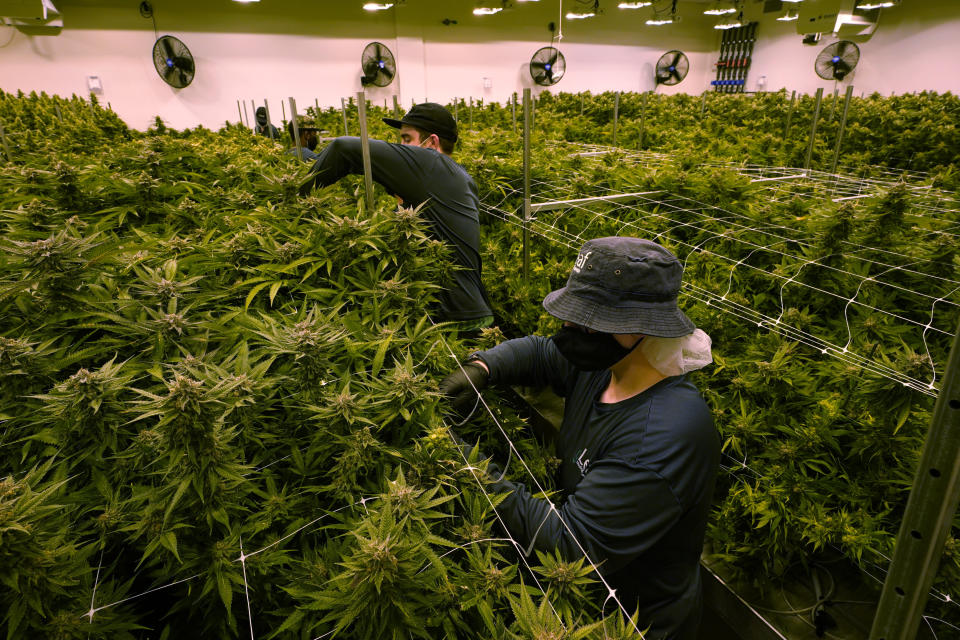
(421, 175)
(637, 479)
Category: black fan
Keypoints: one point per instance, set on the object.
(173, 61)
(547, 66)
(672, 67)
(378, 65)
(837, 60)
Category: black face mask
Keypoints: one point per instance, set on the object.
(590, 351)
(312, 143)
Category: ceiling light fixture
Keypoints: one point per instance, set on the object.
(720, 8)
(788, 16)
(377, 6)
(486, 11)
(793, 1)
(866, 5)
(633, 5)
(732, 23)
(654, 22)
(579, 16)
(246, 1)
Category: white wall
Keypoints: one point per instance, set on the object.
(311, 50)
(915, 47)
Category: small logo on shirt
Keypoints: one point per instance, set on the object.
(582, 463)
(581, 260)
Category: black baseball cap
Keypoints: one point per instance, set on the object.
(429, 116)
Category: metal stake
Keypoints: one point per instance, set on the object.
(365, 148)
(581, 103)
(6, 147)
(513, 109)
(813, 127)
(843, 125)
(643, 117)
(253, 110)
(527, 126)
(247, 114)
(239, 110)
(283, 112)
(396, 106)
(470, 112)
(266, 107)
(533, 111)
(928, 516)
(296, 127)
(343, 108)
(793, 100)
(456, 110)
(616, 115)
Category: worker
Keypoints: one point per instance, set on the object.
(420, 171)
(309, 139)
(639, 452)
(263, 128)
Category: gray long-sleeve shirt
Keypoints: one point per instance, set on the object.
(421, 175)
(637, 479)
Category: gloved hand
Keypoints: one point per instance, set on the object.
(462, 386)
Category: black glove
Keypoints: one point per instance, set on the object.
(462, 386)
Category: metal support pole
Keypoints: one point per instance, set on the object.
(581, 103)
(343, 109)
(253, 110)
(527, 126)
(266, 107)
(296, 126)
(283, 112)
(793, 101)
(928, 516)
(616, 115)
(533, 111)
(513, 109)
(239, 110)
(365, 149)
(316, 103)
(456, 110)
(843, 125)
(6, 147)
(643, 117)
(813, 127)
(396, 106)
(247, 114)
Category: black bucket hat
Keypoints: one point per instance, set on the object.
(429, 116)
(623, 285)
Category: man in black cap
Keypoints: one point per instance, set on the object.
(420, 170)
(309, 139)
(638, 449)
(264, 128)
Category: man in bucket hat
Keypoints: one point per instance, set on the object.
(420, 171)
(638, 449)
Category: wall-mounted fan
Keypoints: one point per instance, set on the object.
(173, 61)
(672, 67)
(378, 65)
(547, 66)
(837, 60)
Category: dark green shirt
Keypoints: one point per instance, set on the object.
(421, 175)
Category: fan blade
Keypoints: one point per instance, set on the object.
(553, 59)
(676, 59)
(379, 54)
(184, 63)
(539, 65)
(168, 74)
(167, 50)
(183, 78)
(676, 75)
(841, 67)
